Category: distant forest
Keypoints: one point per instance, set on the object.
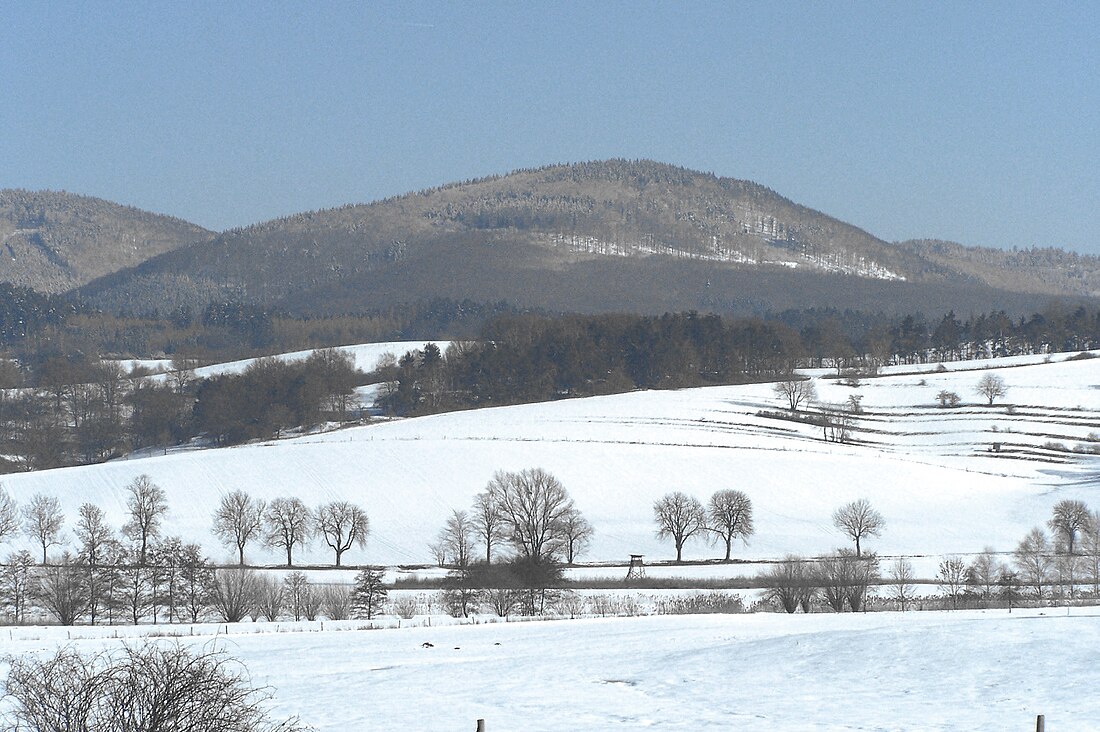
(63, 401)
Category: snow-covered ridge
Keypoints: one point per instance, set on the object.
(835, 262)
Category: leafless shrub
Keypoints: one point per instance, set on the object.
(234, 593)
(336, 602)
(154, 688)
(701, 603)
(270, 598)
(406, 607)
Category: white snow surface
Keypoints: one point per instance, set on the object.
(365, 356)
(972, 670)
(929, 471)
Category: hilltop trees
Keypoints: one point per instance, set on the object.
(238, 519)
(341, 525)
(796, 392)
(1033, 558)
(42, 521)
(288, 523)
(729, 515)
(488, 522)
(9, 515)
(533, 506)
(147, 506)
(679, 517)
(859, 520)
(1069, 519)
(991, 387)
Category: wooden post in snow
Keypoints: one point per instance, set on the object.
(1040, 724)
(481, 725)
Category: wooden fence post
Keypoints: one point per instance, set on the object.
(481, 725)
(1040, 724)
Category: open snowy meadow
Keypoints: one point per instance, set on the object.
(967, 670)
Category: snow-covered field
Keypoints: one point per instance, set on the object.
(929, 471)
(365, 357)
(975, 670)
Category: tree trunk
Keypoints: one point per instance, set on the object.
(289, 562)
(729, 542)
(857, 547)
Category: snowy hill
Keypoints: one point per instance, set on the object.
(930, 471)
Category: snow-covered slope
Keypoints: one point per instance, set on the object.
(930, 471)
(876, 671)
(365, 356)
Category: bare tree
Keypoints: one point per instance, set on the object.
(1091, 547)
(299, 593)
(576, 533)
(238, 520)
(952, 577)
(533, 504)
(63, 590)
(846, 579)
(96, 540)
(991, 387)
(9, 515)
(1069, 519)
(791, 583)
(983, 574)
(146, 505)
(729, 516)
(795, 392)
(288, 523)
(679, 517)
(455, 539)
(93, 532)
(342, 525)
(270, 598)
(42, 521)
(488, 522)
(859, 520)
(1033, 559)
(233, 593)
(901, 582)
(948, 399)
(196, 582)
(152, 687)
(336, 602)
(17, 583)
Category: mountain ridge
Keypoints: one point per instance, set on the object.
(53, 241)
(562, 237)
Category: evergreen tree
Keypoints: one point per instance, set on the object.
(368, 594)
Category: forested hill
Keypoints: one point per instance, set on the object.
(604, 236)
(54, 241)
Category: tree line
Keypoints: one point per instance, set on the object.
(138, 573)
(79, 410)
(1060, 567)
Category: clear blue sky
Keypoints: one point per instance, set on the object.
(976, 122)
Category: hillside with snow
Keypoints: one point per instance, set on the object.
(932, 472)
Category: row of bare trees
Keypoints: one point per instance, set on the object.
(1060, 565)
(284, 523)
